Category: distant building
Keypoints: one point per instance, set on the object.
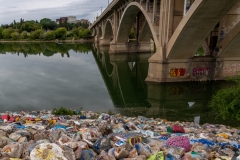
(72, 19)
(84, 21)
(61, 19)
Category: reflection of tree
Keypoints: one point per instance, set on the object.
(48, 53)
(47, 49)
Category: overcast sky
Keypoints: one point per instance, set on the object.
(53, 9)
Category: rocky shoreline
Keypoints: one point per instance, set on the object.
(99, 136)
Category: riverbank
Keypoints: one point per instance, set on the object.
(52, 41)
(89, 135)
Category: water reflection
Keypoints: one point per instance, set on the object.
(96, 81)
(42, 82)
(46, 49)
(124, 76)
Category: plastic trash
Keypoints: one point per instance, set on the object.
(143, 149)
(102, 144)
(182, 142)
(158, 156)
(47, 151)
(87, 155)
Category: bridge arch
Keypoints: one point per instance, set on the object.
(107, 33)
(129, 16)
(108, 30)
(200, 19)
(99, 32)
(94, 33)
(229, 46)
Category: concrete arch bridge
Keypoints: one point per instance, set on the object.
(192, 40)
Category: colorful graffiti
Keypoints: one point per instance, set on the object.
(201, 71)
(231, 69)
(177, 72)
(176, 91)
(198, 90)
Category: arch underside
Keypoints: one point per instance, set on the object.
(229, 46)
(108, 34)
(201, 18)
(126, 23)
(99, 32)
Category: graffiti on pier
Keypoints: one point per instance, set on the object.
(176, 91)
(198, 90)
(201, 71)
(177, 72)
(230, 69)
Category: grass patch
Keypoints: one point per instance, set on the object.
(66, 111)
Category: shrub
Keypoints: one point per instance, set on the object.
(15, 35)
(50, 35)
(24, 35)
(60, 32)
(69, 34)
(6, 33)
(38, 34)
(226, 101)
(84, 33)
(66, 111)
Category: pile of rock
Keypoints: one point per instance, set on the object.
(41, 135)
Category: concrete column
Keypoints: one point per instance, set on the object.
(155, 10)
(158, 66)
(115, 26)
(101, 39)
(166, 19)
(147, 5)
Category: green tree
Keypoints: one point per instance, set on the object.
(15, 35)
(36, 26)
(69, 34)
(76, 30)
(50, 35)
(132, 34)
(48, 24)
(1, 30)
(84, 33)
(38, 34)
(7, 33)
(24, 35)
(27, 26)
(60, 32)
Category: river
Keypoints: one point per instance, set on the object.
(36, 76)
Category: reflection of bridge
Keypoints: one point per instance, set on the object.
(178, 28)
(124, 76)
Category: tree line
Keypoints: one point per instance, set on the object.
(46, 29)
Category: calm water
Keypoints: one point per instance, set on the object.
(49, 75)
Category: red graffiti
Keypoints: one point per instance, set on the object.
(176, 91)
(177, 72)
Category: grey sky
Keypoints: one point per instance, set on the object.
(38, 9)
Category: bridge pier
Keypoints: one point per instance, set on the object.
(96, 38)
(194, 69)
(131, 47)
(181, 30)
(104, 42)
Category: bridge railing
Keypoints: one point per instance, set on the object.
(104, 12)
